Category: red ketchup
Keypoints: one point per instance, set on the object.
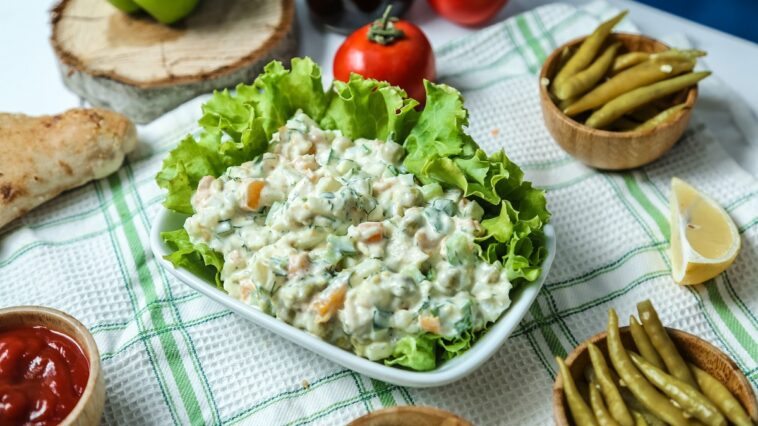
(43, 374)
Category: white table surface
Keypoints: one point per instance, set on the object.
(29, 80)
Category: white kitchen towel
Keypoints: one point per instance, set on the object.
(171, 356)
(723, 109)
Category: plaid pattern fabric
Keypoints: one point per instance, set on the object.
(172, 357)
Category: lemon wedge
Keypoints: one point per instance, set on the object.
(704, 239)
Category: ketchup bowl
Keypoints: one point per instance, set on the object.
(50, 369)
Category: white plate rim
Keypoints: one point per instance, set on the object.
(448, 372)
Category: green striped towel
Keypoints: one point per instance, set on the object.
(172, 357)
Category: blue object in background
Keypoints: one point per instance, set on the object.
(737, 17)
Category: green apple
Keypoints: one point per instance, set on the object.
(167, 11)
(127, 6)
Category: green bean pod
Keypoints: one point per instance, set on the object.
(587, 51)
(604, 378)
(642, 341)
(635, 406)
(602, 415)
(627, 60)
(631, 59)
(643, 390)
(678, 54)
(580, 412)
(662, 342)
(584, 80)
(720, 395)
(563, 104)
(564, 57)
(660, 118)
(640, 96)
(639, 419)
(631, 402)
(689, 398)
(641, 75)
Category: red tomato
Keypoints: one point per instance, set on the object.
(404, 60)
(468, 12)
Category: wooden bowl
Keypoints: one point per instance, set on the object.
(605, 149)
(410, 415)
(89, 409)
(694, 349)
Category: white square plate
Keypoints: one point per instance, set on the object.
(449, 371)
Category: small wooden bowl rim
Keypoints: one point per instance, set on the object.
(559, 407)
(431, 412)
(690, 101)
(82, 336)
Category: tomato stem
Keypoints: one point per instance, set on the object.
(386, 15)
(383, 30)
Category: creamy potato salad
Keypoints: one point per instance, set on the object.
(334, 237)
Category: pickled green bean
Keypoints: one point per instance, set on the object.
(640, 96)
(631, 402)
(720, 395)
(584, 80)
(642, 341)
(635, 406)
(627, 60)
(662, 342)
(586, 52)
(639, 419)
(604, 378)
(660, 118)
(602, 415)
(564, 57)
(643, 390)
(678, 54)
(688, 398)
(580, 412)
(631, 59)
(641, 75)
(563, 104)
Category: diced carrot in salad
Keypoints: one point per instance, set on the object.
(329, 302)
(254, 189)
(430, 323)
(371, 232)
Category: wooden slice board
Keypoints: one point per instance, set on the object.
(141, 68)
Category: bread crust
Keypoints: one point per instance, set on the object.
(40, 157)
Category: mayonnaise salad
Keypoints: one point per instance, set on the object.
(334, 237)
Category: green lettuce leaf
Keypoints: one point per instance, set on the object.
(236, 127)
(278, 93)
(415, 352)
(452, 348)
(199, 259)
(364, 108)
(423, 353)
(184, 167)
(439, 150)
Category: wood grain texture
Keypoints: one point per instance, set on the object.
(410, 416)
(694, 349)
(137, 66)
(89, 410)
(612, 150)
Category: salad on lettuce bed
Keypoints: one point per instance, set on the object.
(483, 220)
